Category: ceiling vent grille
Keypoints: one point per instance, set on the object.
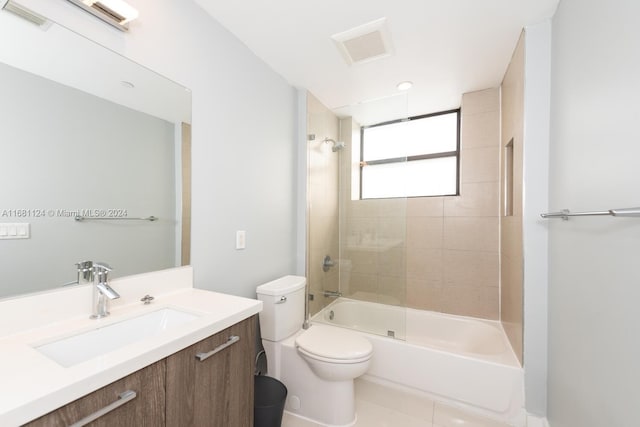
(365, 43)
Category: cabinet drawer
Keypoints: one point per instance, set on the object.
(145, 409)
(211, 383)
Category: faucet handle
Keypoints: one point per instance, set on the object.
(102, 266)
(84, 265)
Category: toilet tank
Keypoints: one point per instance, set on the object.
(283, 307)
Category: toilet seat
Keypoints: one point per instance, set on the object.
(333, 345)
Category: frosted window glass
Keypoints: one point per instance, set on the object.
(431, 177)
(434, 134)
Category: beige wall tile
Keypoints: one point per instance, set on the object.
(366, 283)
(363, 209)
(396, 208)
(424, 294)
(391, 262)
(480, 130)
(475, 199)
(511, 237)
(425, 206)
(471, 234)
(362, 261)
(471, 301)
(392, 290)
(425, 264)
(480, 164)
(391, 231)
(481, 101)
(424, 232)
(471, 268)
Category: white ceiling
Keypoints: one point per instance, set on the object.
(446, 47)
(64, 56)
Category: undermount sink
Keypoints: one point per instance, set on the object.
(86, 345)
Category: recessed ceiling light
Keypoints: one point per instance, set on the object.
(404, 85)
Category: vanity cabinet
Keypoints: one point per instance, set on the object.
(207, 384)
(146, 409)
(211, 383)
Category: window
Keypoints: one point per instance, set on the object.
(419, 156)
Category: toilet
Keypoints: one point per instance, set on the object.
(318, 365)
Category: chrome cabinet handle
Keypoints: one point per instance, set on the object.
(232, 340)
(282, 300)
(122, 399)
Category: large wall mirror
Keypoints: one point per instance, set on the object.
(86, 132)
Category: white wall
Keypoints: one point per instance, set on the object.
(594, 287)
(535, 201)
(244, 127)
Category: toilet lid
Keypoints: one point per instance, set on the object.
(334, 343)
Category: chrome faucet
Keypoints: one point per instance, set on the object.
(102, 292)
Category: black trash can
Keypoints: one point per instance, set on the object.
(268, 404)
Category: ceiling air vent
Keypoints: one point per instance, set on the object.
(24, 13)
(365, 43)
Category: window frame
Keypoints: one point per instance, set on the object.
(437, 155)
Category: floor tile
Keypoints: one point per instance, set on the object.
(448, 416)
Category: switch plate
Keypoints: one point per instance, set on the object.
(17, 230)
(240, 239)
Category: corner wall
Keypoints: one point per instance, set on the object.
(594, 321)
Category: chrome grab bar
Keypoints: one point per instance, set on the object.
(566, 213)
(123, 398)
(204, 356)
(106, 218)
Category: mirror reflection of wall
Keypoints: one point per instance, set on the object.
(67, 151)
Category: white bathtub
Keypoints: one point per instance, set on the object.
(457, 359)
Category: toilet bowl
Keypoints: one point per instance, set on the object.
(317, 365)
(334, 354)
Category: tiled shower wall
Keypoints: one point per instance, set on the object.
(322, 209)
(511, 225)
(434, 253)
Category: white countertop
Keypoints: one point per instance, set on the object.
(32, 385)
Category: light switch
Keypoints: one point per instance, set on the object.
(240, 239)
(19, 230)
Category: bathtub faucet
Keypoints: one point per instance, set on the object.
(332, 294)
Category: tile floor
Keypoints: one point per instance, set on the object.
(381, 406)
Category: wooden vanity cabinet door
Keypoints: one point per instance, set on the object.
(217, 391)
(145, 410)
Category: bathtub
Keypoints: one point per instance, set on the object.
(459, 360)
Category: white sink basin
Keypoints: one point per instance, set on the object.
(96, 342)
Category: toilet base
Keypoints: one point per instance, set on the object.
(331, 403)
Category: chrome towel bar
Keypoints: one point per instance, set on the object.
(106, 218)
(566, 213)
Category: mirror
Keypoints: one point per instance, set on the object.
(85, 132)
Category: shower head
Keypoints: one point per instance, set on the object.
(337, 146)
